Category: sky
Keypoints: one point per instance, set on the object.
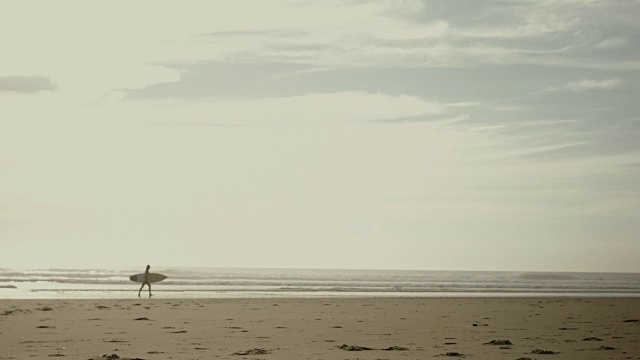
(349, 134)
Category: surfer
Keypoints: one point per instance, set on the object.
(146, 281)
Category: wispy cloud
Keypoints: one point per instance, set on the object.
(612, 42)
(25, 84)
(530, 26)
(588, 84)
(275, 32)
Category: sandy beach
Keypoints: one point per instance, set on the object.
(329, 328)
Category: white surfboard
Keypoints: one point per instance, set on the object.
(152, 277)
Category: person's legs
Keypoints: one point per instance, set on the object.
(149, 284)
(140, 289)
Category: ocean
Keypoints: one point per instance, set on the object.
(273, 283)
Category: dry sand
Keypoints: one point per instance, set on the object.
(392, 328)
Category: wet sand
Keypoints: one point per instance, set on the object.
(330, 328)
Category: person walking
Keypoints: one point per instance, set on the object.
(146, 281)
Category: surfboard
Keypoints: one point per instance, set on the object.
(152, 277)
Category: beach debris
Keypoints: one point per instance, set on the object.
(451, 354)
(364, 348)
(255, 351)
(141, 318)
(395, 348)
(543, 352)
(45, 327)
(524, 358)
(632, 320)
(353, 347)
(498, 342)
(114, 357)
(56, 355)
(592, 339)
(46, 308)
(603, 347)
(178, 332)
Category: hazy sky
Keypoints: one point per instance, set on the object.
(470, 135)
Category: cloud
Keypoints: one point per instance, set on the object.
(551, 33)
(612, 42)
(330, 108)
(398, 48)
(257, 32)
(25, 84)
(586, 85)
(238, 79)
(589, 84)
(531, 26)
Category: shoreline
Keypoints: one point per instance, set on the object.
(119, 294)
(321, 328)
(211, 282)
